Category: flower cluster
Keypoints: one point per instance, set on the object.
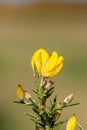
(44, 67)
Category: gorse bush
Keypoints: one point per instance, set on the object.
(47, 117)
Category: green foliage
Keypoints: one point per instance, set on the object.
(45, 117)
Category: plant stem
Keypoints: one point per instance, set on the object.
(48, 128)
(81, 128)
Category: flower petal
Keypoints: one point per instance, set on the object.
(20, 92)
(51, 62)
(58, 68)
(60, 60)
(55, 71)
(38, 58)
(38, 63)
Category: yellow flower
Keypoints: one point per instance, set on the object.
(47, 65)
(21, 93)
(71, 124)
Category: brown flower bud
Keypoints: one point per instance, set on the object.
(58, 112)
(43, 106)
(69, 98)
(43, 81)
(49, 84)
(37, 128)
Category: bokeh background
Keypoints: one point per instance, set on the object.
(26, 27)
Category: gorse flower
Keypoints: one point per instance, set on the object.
(71, 124)
(47, 65)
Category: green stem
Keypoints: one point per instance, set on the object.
(81, 128)
(68, 105)
(37, 78)
(48, 128)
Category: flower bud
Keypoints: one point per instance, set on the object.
(37, 128)
(71, 124)
(43, 81)
(58, 112)
(43, 106)
(49, 84)
(69, 98)
(20, 92)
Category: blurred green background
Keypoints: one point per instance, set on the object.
(23, 30)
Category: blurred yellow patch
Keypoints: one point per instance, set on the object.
(71, 124)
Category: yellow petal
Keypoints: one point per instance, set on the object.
(38, 63)
(60, 60)
(71, 124)
(51, 62)
(20, 91)
(38, 58)
(55, 71)
(58, 68)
